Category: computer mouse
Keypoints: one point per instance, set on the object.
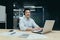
(11, 31)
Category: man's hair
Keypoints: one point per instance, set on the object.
(26, 9)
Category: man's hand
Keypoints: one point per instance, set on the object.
(32, 29)
(37, 28)
(29, 29)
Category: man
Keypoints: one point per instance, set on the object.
(27, 23)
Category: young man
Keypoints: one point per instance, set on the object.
(27, 23)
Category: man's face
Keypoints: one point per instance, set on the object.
(27, 13)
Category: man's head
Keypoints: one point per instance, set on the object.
(27, 12)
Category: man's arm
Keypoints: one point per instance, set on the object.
(34, 24)
(23, 27)
(36, 27)
(29, 29)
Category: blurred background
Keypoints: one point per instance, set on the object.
(41, 10)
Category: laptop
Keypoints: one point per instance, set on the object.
(47, 27)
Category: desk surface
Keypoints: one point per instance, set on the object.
(54, 35)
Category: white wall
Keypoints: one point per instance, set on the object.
(2, 14)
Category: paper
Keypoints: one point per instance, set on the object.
(36, 36)
(5, 34)
(14, 33)
(24, 35)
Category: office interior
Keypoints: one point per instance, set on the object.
(41, 10)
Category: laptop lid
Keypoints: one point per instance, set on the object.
(48, 25)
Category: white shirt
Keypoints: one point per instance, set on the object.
(25, 23)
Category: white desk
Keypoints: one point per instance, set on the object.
(54, 35)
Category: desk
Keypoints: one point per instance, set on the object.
(54, 35)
